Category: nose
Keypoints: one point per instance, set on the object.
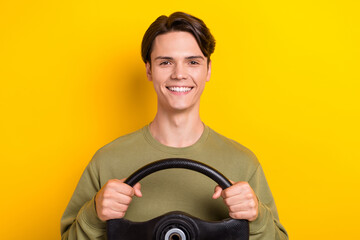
(179, 72)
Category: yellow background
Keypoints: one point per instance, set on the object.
(285, 84)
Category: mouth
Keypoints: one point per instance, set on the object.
(180, 89)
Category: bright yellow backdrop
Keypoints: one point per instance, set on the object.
(285, 84)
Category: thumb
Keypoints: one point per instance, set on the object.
(217, 192)
(137, 190)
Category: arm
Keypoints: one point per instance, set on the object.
(90, 206)
(80, 220)
(267, 224)
(253, 201)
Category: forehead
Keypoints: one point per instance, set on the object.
(175, 44)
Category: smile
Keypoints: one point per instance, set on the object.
(180, 89)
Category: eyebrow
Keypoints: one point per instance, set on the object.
(170, 58)
(195, 57)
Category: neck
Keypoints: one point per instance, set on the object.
(177, 129)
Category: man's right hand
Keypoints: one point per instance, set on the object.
(114, 198)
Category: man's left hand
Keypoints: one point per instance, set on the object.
(240, 200)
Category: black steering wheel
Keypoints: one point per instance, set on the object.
(178, 225)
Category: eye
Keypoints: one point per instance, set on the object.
(164, 63)
(193, 62)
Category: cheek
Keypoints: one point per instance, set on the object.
(201, 78)
(160, 75)
(158, 80)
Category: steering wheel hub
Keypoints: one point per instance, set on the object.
(176, 226)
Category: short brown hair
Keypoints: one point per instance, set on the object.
(178, 21)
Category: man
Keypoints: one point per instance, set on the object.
(176, 51)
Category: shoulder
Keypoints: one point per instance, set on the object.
(231, 145)
(120, 146)
(234, 156)
(123, 141)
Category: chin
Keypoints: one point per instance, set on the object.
(178, 106)
(181, 108)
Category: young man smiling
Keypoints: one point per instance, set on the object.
(179, 71)
(176, 51)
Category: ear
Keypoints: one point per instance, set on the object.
(148, 71)
(209, 72)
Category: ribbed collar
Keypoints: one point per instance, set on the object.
(174, 150)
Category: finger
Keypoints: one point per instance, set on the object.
(109, 198)
(123, 199)
(238, 199)
(217, 192)
(137, 190)
(250, 215)
(109, 194)
(236, 189)
(120, 187)
(118, 207)
(108, 214)
(242, 207)
(110, 209)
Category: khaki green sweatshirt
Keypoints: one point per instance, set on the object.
(172, 189)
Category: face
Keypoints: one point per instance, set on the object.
(178, 70)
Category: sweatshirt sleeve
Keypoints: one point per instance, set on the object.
(80, 220)
(267, 225)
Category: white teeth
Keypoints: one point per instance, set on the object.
(179, 89)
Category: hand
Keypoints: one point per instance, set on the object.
(114, 198)
(240, 200)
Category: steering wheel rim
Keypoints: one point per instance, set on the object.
(170, 163)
